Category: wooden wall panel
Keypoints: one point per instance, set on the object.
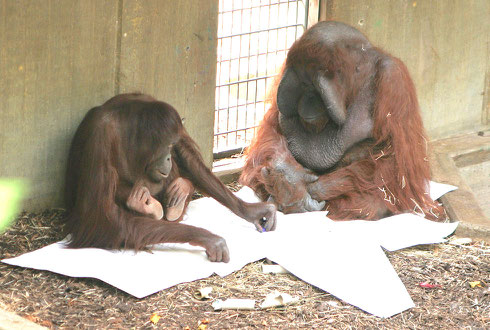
(56, 61)
(168, 50)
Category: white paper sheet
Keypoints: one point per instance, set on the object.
(438, 189)
(343, 258)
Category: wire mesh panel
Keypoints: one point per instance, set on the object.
(253, 39)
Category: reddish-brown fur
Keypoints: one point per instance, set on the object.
(386, 175)
(109, 153)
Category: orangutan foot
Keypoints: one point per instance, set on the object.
(173, 213)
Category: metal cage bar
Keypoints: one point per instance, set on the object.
(253, 39)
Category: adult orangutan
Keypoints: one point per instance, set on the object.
(343, 133)
(131, 172)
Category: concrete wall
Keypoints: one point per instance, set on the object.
(60, 58)
(444, 43)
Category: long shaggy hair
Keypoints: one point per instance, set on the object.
(390, 172)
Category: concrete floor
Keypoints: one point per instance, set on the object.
(477, 176)
(464, 161)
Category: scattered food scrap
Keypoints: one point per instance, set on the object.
(427, 285)
(154, 318)
(244, 304)
(461, 241)
(276, 299)
(203, 293)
